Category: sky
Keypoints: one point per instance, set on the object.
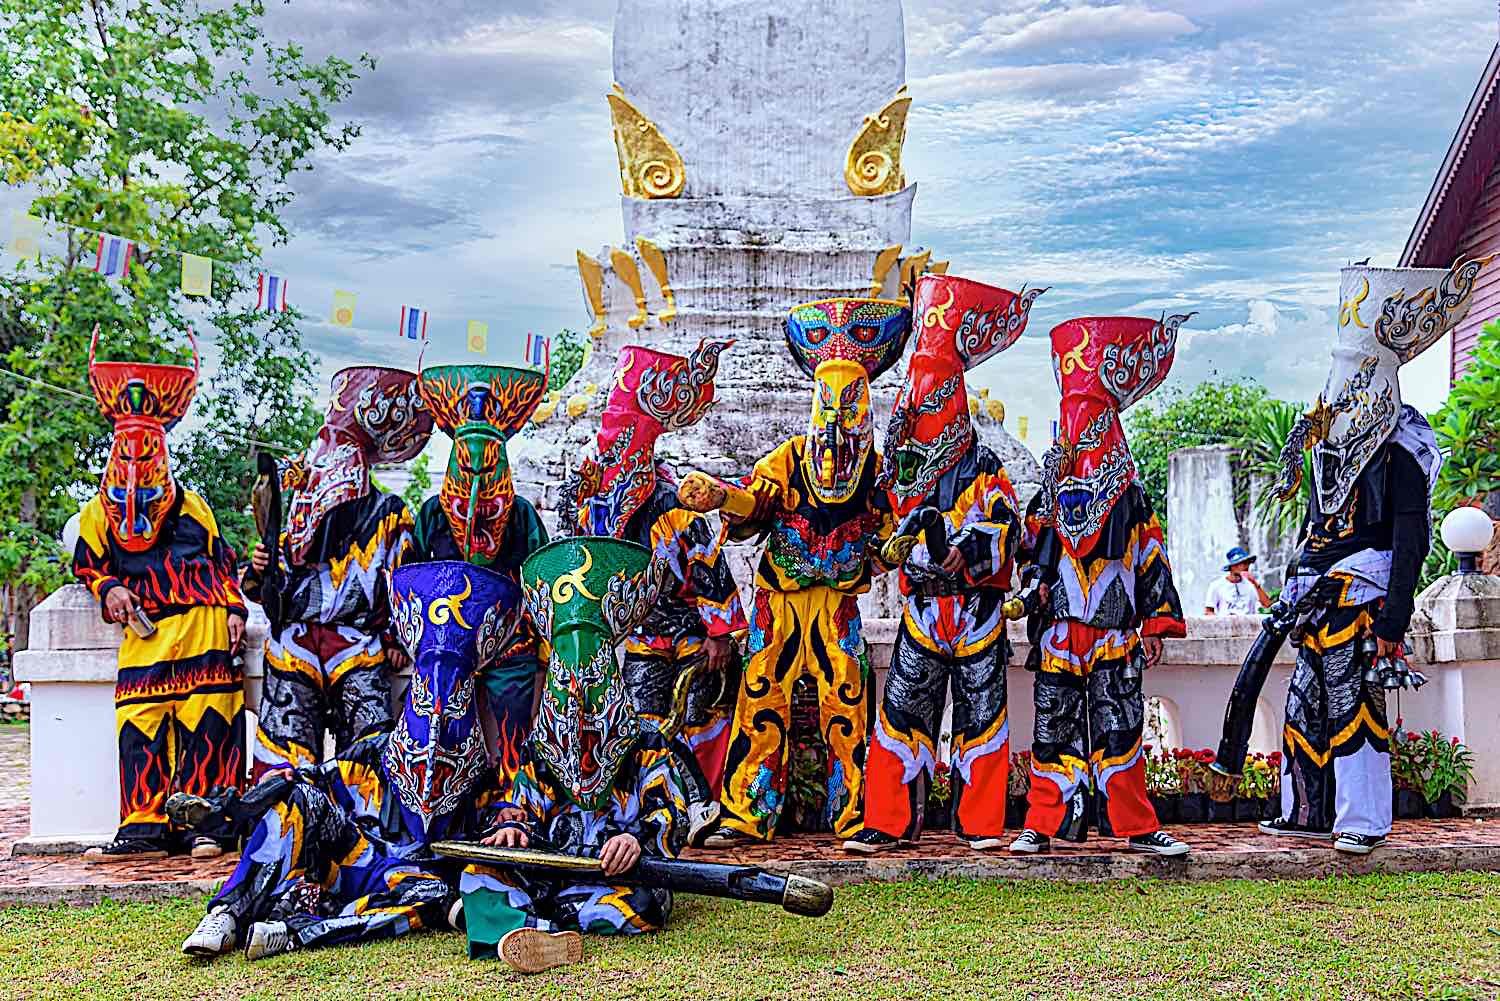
(1223, 156)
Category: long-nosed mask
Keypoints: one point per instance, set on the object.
(375, 415)
(454, 619)
(142, 402)
(653, 393)
(480, 407)
(844, 345)
(960, 323)
(1103, 365)
(1387, 316)
(585, 595)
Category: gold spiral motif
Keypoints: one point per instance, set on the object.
(571, 583)
(873, 170)
(650, 166)
(873, 163)
(660, 180)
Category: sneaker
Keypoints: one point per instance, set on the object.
(726, 837)
(1031, 843)
(267, 938)
(1357, 844)
(1158, 843)
(1291, 829)
(982, 844)
(205, 848)
(127, 850)
(214, 935)
(531, 950)
(870, 842)
(703, 822)
(456, 915)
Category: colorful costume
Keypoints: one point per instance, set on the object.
(179, 696)
(326, 662)
(340, 852)
(1100, 549)
(1367, 534)
(952, 627)
(623, 492)
(593, 769)
(477, 516)
(816, 502)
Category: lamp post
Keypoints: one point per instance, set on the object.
(1467, 531)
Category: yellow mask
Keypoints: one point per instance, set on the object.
(840, 431)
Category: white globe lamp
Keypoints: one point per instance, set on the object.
(1467, 532)
(70, 535)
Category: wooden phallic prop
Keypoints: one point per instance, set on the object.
(795, 894)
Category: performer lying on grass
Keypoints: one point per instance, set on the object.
(595, 779)
(341, 852)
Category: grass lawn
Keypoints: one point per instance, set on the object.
(1426, 936)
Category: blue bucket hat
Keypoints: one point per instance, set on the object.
(1237, 555)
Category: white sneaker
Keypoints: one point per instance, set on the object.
(214, 935)
(703, 821)
(267, 938)
(1158, 843)
(1031, 843)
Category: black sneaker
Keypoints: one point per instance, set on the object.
(1357, 844)
(870, 842)
(1290, 829)
(1158, 843)
(727, 837)
(127, 850)
(1031, 843)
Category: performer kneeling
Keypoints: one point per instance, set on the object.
(952, 625)
(595, 780)
(341, 852)
(1348, 600)
(1110, 597)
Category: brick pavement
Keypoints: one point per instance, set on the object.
(1219, 851)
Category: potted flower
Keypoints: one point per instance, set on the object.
(1449, 769)
(939, 812)
(1192, 775)
(1254, 790)
(1163, 785)
(1017, 786)
(1407, 770)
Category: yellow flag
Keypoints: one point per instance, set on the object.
(1023, 426)
(197, 275)
(479, 336)
(343, 308)
(25, 235)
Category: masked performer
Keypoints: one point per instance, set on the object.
(594, 780)
(1349, 600)
(326, 656)
(952, 627)
(478, 517)
(622, 491)
(1110, 596)
(340, 852)
(150, 552)
(816, 500)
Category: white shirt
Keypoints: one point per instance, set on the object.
(1228, 597)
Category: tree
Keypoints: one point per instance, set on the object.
(1468, 431)
(1265, 435)
(176, 124)
(1212, 413)
(569, 351)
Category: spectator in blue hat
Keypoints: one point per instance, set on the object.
(1237, 592)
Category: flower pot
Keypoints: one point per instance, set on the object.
(1220, 813)
(937, 818)
(1168, 807)
(1015, 812)
(1408, 804)
(1442, 807)
(1193, 808)
(1247, 809)
(1270, 808)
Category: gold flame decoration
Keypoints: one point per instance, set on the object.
(650, 167)
(873, 165)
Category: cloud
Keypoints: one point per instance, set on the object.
(1078, 28)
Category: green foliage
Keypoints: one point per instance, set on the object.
(419, 485)
(175, 124)
(1266, 431)
(1211, 413)
(1431, 764)
(569, 349)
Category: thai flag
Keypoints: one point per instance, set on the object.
(538, 350)
(413, 323)
(113, 257)
(272, 294)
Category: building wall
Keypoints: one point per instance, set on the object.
(1481, 238)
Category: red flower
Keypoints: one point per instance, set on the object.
(1410, 735)
(1455, 741)
(1204, 757)
(1274, 758)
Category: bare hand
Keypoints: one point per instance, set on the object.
(1152, 645)
(1390, 649)
(236, 632)
(1043, 593)
(260, 558)
(621, 852)
(119, 604)
(511, 815)
(954, 562)
(720, 653)
(508, 837)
